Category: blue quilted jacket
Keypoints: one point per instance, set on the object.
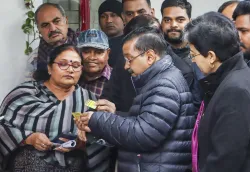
(156, 135)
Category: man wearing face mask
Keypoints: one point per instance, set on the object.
(241, 16)
(52, 25)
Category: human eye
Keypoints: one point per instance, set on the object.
(99, 51)
(57, 21)
(167, 20)
(63, 64)
(129, 13)
(44, 25)
(76, 65)
(142, 12)
(180, 20)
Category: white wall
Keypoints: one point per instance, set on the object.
(12, 43)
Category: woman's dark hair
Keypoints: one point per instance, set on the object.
(141, 21)
(148, 38)
(42, 74)
(213, 32)
(225, 5)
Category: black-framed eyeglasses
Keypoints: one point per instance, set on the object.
(194, 55)
(133, 58)
(65, 66)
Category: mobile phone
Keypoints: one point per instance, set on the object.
(69, 136)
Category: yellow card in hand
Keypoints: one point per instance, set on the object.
(91, 104)
(76, 115)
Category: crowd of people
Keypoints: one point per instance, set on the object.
(169, 96)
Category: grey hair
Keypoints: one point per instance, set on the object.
(57, 6)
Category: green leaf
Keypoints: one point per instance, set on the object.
(28, 21)
(26, 51)
(30, 49)
(31, 14)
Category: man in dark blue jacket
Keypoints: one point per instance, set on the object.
(156, 134)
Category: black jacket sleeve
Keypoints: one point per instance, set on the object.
(144, 131)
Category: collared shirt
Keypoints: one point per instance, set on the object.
(96, 85)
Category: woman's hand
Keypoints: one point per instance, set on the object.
(40, 141)
(105, 105)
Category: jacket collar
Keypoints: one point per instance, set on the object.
(161, 65)
(211, 82)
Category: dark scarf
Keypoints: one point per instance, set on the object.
(44, 49)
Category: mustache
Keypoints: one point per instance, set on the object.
(54, 32)
(243, 45)
(173, 30)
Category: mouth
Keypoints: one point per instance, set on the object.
(68, 76)
(54, 35)
(110, 27)
(91, 64)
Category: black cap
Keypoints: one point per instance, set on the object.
(111, 6)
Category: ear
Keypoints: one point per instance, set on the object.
(153, 12)
(66, 19)
(212, 57)
(49, 69)
(108, 52)
(151, 57)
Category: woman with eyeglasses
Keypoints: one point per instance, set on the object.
(36, 113)
(221, 136)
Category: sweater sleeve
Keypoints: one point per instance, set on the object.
(144, 131)
(230, 135)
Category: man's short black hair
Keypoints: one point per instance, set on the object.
(225, 5)
(148, 2)
(148, 38)
(243, 8)
(213, 32)
(184, 4)
(145, 20)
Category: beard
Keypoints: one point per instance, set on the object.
(246, 52)
(173, 40)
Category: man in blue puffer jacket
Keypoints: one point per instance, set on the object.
(156, 135)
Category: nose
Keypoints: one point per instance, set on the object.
(52, 27)
(90, 56)
(70, 69)
(109, 19)
(126, 66)
(174, 24)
